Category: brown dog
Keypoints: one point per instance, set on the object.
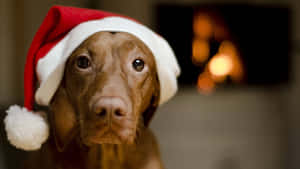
(100, 113)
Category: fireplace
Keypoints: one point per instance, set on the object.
(228, 45)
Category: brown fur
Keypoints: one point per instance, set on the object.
(99, 114)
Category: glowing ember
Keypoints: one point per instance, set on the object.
(229, 49)
(220, 65)
(203, 26)
(200, 51)
(205, 84)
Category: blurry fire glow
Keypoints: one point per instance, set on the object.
(226, 63)
(220, 65)
(203, 26)
(229, 49)
(220, 33)
(205, 83)
(200, 51)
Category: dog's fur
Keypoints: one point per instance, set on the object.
(100, 113)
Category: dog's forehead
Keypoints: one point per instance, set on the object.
(111, 38)
(106, 40)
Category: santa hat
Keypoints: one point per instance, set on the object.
(61, 32)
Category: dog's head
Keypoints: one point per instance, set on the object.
(109, 91)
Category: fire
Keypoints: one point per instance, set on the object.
(205, 83)
(200, 50)
(220, 65)
(203, 26)
(226, 63)
(229, 49)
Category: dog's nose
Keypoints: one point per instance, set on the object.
(110, 107)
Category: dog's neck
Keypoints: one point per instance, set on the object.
(102, 156)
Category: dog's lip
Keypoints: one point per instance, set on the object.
(108, 136)
(113, 132)
(105, 141)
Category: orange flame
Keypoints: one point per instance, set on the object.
(205, 84)
(203, 26)
(229, 49)
(220, 65)
(200, 51)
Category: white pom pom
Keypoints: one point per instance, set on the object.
(26, 130)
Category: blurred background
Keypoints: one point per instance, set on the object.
(237, 104)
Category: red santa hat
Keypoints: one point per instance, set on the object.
(61, 32)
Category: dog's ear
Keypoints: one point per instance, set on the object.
(154, 102)
(63, 119)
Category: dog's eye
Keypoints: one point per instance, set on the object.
(138, 64)
(83, 62)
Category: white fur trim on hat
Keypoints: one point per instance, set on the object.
(26, 130)
(50, 68)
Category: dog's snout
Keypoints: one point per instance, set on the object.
(110, 107)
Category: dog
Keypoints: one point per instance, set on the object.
(100, 113)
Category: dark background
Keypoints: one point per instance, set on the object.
(261, 32)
